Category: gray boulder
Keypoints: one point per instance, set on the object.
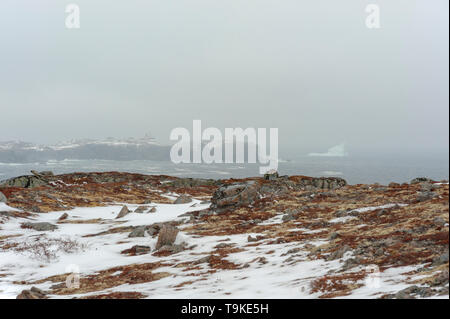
(40, 226)
(167, 236)
(234, 195)
(183, 199)
(141, 209)
(138, 232)
(124, 211)
(271, 175)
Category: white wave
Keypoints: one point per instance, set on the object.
(335, 151)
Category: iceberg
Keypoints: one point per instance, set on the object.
(335, 151)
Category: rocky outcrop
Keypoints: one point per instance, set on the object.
(26, 181)
(235, 195)
(192, 182)
(329, 183)
(240, 194)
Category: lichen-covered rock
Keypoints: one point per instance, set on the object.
(234, 195)
(28, 181)
(167, 236)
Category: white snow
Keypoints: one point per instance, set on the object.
(279, 275)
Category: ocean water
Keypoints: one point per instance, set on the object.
(362, 169)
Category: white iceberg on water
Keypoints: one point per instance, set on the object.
(335, 151)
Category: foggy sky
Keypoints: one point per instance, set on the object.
(310, 68)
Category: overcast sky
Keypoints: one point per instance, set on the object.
(311, 68)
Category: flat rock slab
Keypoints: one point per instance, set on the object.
(40, 226)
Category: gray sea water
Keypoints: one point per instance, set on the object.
(362, 169)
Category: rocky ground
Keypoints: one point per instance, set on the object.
(121, 235)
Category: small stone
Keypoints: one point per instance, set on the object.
(173, 249)
(137, 250)
(403, 294)
(253, 239)
(138, 232)
(205, 259)
(141, 209)
(124, 211)
(183, 199)
(262, 260)
(339, 253)
(152, 210)
(63, 217)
